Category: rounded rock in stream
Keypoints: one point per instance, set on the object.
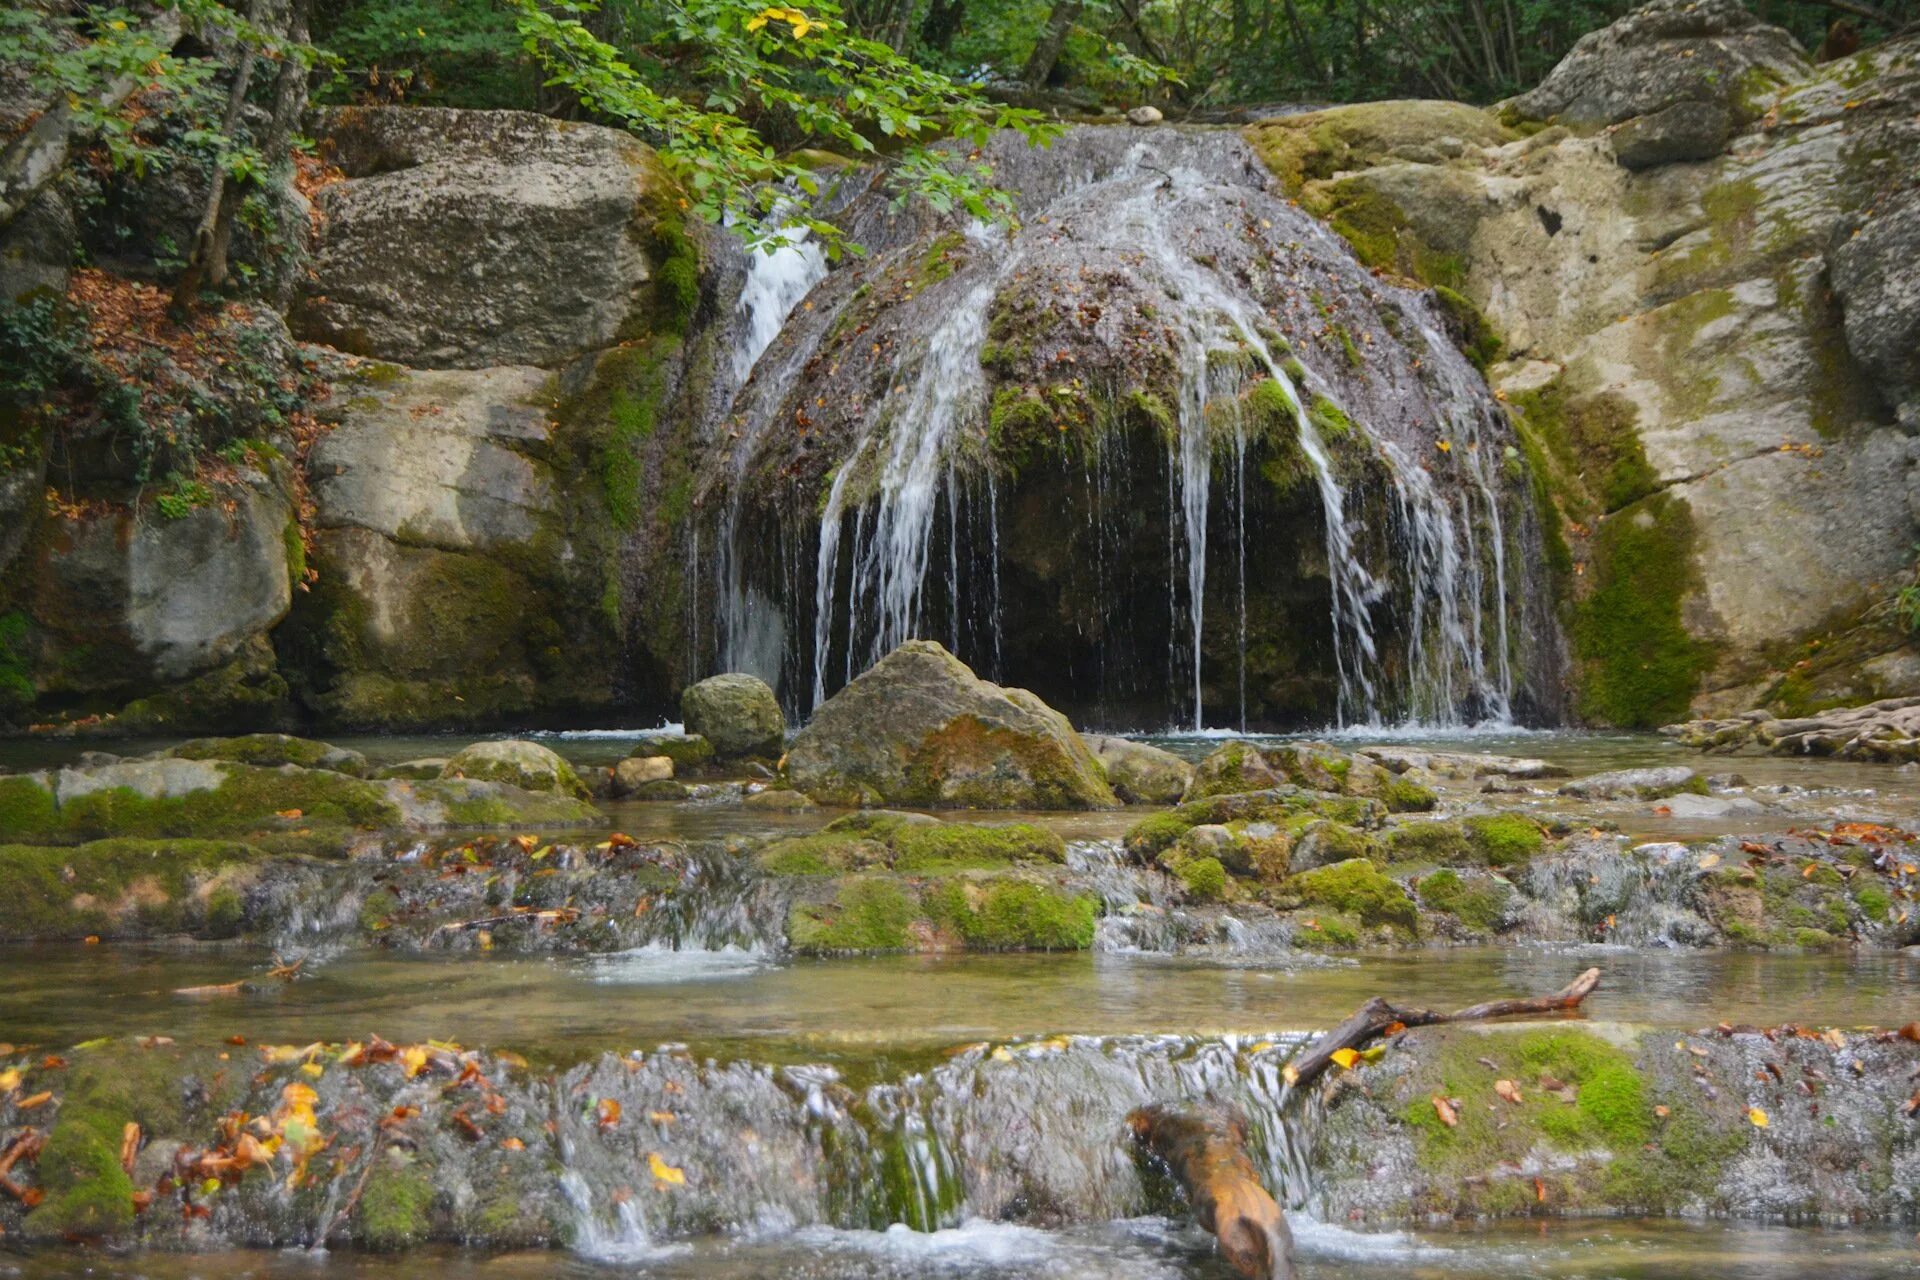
(736, 713)
(526, 765)
(920, 728)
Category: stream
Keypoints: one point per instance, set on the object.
(1077, 1035)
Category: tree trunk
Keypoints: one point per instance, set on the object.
(34, 158)
(207, 237)
(1052, 40)
(1205, 1148)
(942, 23)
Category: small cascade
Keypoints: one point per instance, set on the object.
(997, 1132)
(778, 278)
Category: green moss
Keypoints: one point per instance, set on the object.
(1594, 442)
(943, 257)
(1358, 888)
(821, 854)
(1479, 905)
(1808, 939)
(1015, 915)
(1874, 903)
(265, 750)
(1640, 664)
(376, 909)
(1151, 835)
(16, 671)
(871, 914)
(1504, 839)
(128, 887)
(1028, 424)
(1440, 842)
(396, 1205)
(1403, 795)
(1329, 419)
(922, 850)
(687, 751)
(1204, 879)
(247, 800)
(1471, 329)
(88, 1194)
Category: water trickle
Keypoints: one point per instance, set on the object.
(778, 277)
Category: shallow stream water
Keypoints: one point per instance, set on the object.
(880, 1019)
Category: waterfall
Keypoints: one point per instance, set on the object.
(1415, 556)
(779, 276)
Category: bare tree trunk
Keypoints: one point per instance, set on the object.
(1052, 40)
(1305, 42)
(1205, 1148)
(33, 159)
(206, 238)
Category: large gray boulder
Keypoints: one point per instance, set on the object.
(1695, 68)
(470, 238)
(160, 600)
(736, 713)
(921, 729)
(1876, 275)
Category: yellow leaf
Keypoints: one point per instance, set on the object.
(801, 28)
(1756, 1117)
(1709, 862)
(414, 1059)
(1373, 1054)
(1290, 1074)
(313, 1069)
(664, 1172)
(1346, 1057)
(756, 22)
(9, 1080)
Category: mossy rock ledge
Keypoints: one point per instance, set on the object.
(921, 729)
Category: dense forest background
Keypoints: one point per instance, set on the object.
(1182, 54)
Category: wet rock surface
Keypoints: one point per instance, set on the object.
(920, 728)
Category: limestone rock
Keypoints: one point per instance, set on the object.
(777, 800)
(1684, 131)
(636, 771)
(1664, 54)
(688, 751)
(1876, 275)
(1144, 115)
(736, 713)
(272, 749)
(1642, 784)
(469, 238)
(920, 728)
(160, 599)
(519, 763)
(1232, 768)
(1141, 774)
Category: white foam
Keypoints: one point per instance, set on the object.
(660, 963)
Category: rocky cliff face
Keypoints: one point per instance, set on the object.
(1205, 438)
(1709, 339)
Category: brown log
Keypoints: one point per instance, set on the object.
(1205, 1149)
(1372, 1020)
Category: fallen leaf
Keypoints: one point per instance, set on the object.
(1346, 1057)
(513, 1144)
(1509, 1090)
(129, 1145)
(1757, 1118)
(664, 1174)
(1444, 1109)
(607, 1114)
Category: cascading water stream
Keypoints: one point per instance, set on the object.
(1416, 577)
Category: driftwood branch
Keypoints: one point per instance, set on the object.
(33, 159)
(1377, 1017)
(1205, 1149)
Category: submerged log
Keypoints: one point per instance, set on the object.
(1205, 1149)
(1377, 1017)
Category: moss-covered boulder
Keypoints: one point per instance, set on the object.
(920, 728)
(271, 749)
(1141, 774)
(129, 887)
(1614, 1119)
(1360, 889)
(911, 845)
(278, 807)
(736, 714)
(518, 763)
(689, 751)
(1231, 768)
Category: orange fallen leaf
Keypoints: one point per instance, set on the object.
(129, 1145)
(35, 1101)
(607, 1114)
(1346, 1057)
(289, 815)
(1509, 1090)
(513, 1144)
(1444, 1109)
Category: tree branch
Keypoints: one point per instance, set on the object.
(1376, 1017)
